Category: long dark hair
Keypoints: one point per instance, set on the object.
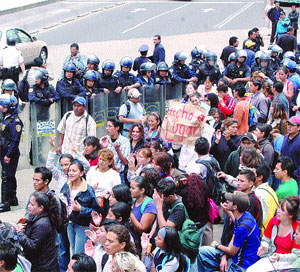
(50, 206)
(122, 193)
(143, 184)
(121, 210)
(79, 164)
(174, 247)
(266, 129)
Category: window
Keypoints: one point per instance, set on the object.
(24, 38)
(12, 33)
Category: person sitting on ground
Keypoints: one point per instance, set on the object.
(278, 244)
(284, 170)
(244, 244)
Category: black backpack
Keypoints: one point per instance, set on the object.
(127, 104)
(62, 216)
(216, 187)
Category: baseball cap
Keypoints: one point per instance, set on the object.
(295, 120)
(134, 93)
(144, 48)
(80, 100)
(250, 136)
(292, 65)
(239, 198)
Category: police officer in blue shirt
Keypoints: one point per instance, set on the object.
(142, 59)
(10, 135)
(209, 69)
(196, 55)
(162, 77)
(42, 92)
(180, 72)
(92, 64)
(107, 82)
(69, 87)
(238, 74)
(159, 54)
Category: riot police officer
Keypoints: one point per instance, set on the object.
(209, 69)
(265, 65)
(180, 72)
(11, 130)
(126, 80)
(89, 83)
(162, 76)
(12, 60)
(142, 59)
(9, 86)
(107, 82)
(275, 56)
(92, 64)
(196, 55)
(42, 92)
(255, 65)
(146, 79)
(238, 74)
(69, 87)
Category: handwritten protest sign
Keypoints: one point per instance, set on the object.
(182, 123)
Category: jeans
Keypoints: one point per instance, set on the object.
(194, 264)
(77, 237)
(209, 259)
(64, 251)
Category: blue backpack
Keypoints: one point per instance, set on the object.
(253, 115)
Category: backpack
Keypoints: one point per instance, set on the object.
(253, 115)
(189, 235)
(127, 104)
(144, 204)
(86, 121)
(62, 221)
(9, 234)
(216, 187)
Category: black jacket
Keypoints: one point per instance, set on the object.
(271, 14)
(38, 241)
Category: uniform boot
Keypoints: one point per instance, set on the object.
(13, 200)
(4, 206)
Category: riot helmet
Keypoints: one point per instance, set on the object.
(211, 58)
(108, 65)
(241, 54)
(276, 49)
(9, 101)
(162, 66)
(126, 62)
(196, 54)
(232, 57)
(8, 84)
(42, 74)
(264, 60)
(289, 55)
(94, 60)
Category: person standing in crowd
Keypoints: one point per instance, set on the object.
(284, 170)
(38, 235)
(82, 262)
(118, 144)
(266, 195)
(273, 15)
(282, 25)
(288, 42)
(277, 91)
(91, 149)
(209, 68)
(159, 50)
(42, 92)
(143, 49)
(258, 40)
(278, 117)
(12, 60)
(132, 111)
(80, 199)
(241, 110)
(74, 127)
(244, 244)
(294, 16)
(233, 44)
(77, 59)
(226, 103)
(11, 130)
(68, 87)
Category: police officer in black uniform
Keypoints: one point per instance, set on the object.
(276, 52)
(180, 72)
(238, 74)
(264, 65)
(108, 83)
(69, 87)
(142, 59)
(162, 76)
(196, 55)
(10, 135)
(209, 68)
(92, 64)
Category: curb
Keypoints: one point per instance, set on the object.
(14, 10)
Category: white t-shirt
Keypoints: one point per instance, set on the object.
(105, 180)
(11, 57)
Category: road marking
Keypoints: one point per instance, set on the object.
(232, 16)
(138, 10)
(207, 10)
(152, 18)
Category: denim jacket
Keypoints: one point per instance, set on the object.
(87, 199)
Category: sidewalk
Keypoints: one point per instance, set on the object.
(8, 6)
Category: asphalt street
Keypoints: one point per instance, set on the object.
(92, 20)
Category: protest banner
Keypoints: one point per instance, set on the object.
(182, 123)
